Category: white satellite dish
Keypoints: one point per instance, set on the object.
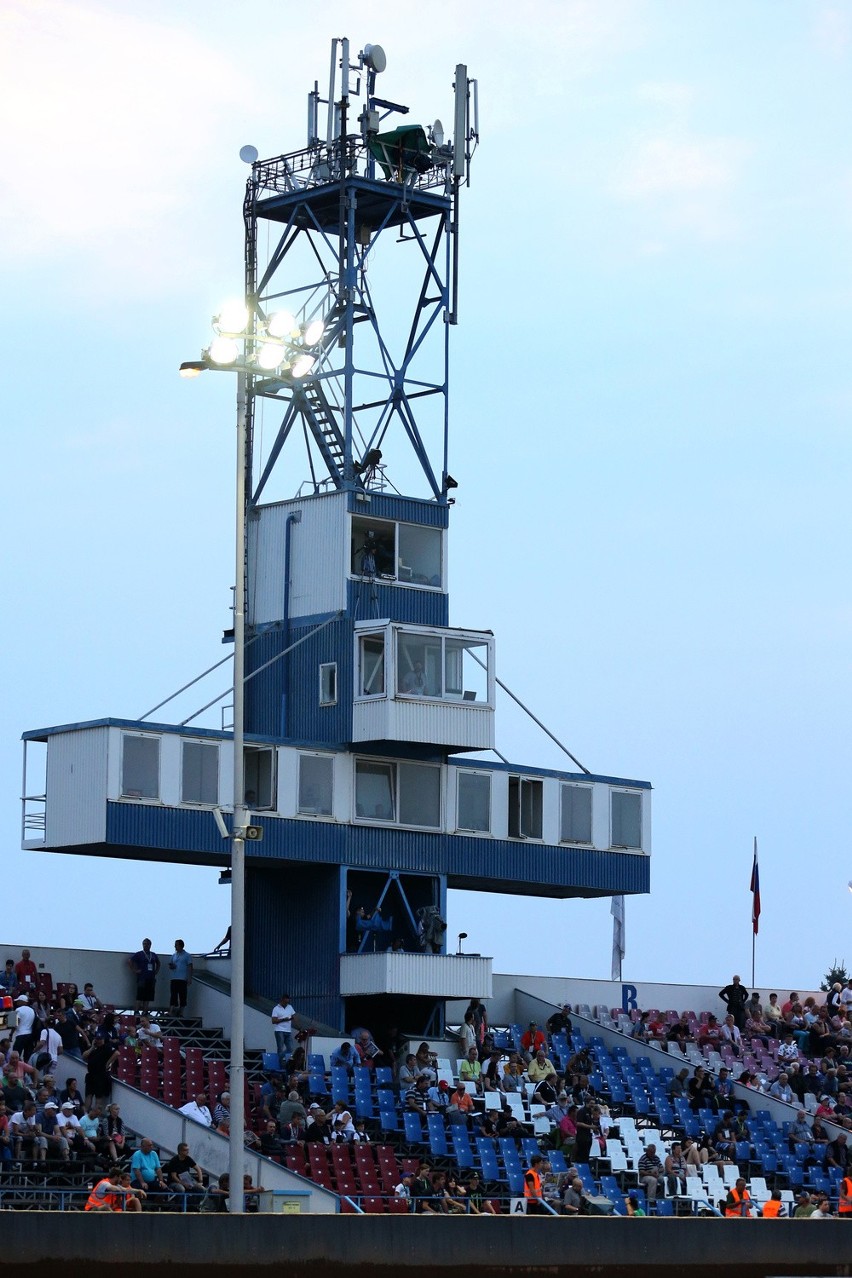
(248, 154)
(438, 133)
(374, 56)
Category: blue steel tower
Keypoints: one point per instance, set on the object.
(361, 700)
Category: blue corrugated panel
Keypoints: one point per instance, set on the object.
(283, 700)
(145, 825)
(372, 600)
(409, 510)
(292, 938)
(474, 864)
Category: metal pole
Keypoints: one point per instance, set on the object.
(238, 860)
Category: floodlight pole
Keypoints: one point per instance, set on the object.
(236, 1155)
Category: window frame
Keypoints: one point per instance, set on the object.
(138, 797)
(272, 806)
(210, 745)
(394, 579)
(590, 790)
(332, 667)
(471, 773)
(304, 812)
(624, 792)
(394, 766)
(522, 780)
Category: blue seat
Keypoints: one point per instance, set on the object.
(316, 1063)
(271, 1063)
(664, 1207)
(557, 1161)
(388, 1120)
(437, 1136)
(461, 1146)
(516, 1182)
(413, 1127)
(385, 1098)
(384, 1076)
(317, 1085)
(364, 1107)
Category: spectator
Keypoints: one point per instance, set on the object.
(99, 1058)
(89, 999)
(112, 1126)
(560, 1021)
(282, 1026)
(651, 1172)
(542, 1072)
(180, 967)
(735, 996)
(146, 1171)
(197, 1110)
(478, 1204)
(70, 1034)
(23, 1039)
(92, 1129)
(805, 1207)
(47, 1050)
(470, 1070)
(145, 965)
(292, 1105)
(781, 1090)
(738, 1200)
(467, 1034)
(774, 1209)
(24, 1129)
(633, 1205)
(115, 1193)
(731, 1033)
(70, 1127)
(222, 1109)
(343, 1057)
(421, 1191)
(368, 1050)
(837, 1154)
(823, 1210)
(772, 1014)
(149, 1033)
(532, 1041)
(271, 1145)
(678, 1085)
(9, 983)
(460, 1105)
(424, 1060)
(184, 1178)
(676, 1169)
(52, 1132)
(403, 1188)
(573, 1200)
(5, 1141)
(480, 1018)
(26, 972)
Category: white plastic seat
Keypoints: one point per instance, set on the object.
(730, 1174)
(759, 1189)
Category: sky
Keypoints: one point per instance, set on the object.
(651, 395)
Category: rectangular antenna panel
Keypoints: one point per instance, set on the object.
(460, 122)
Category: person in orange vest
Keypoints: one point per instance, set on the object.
(532, 1187)
(774, 1209)
(845, 1203)
(115, 1193)
(737, 1200)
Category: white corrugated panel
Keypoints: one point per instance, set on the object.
(450, 723)
(76, 787)
(318, 558)
(429, 975)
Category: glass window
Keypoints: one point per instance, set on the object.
(200, 773)
(464, 676)
(474, 802)
(140, 767)
(418, 665)
(419, 795)
(525, 808)
(626, 819)
(372, 649)
(259, 777)
(419, 555)
(576, 825)
(328, 684)
(374, 790)
(373, 547)
(316, 775)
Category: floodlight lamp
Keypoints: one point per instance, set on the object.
(233, 317)
(224, 350)
(303, 365)
(281, 324)
(269, 356)
(314, 332)
(192, 368)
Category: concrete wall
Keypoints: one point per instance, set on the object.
(419, 1247)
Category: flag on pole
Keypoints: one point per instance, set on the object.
(755, 891)
(617, 912)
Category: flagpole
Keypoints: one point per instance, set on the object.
(755, 907)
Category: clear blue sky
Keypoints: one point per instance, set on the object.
(652, 396)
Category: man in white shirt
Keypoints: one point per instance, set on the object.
(24, 1031)
(846, 999)
(68, 1125)
(282, 1025)
(49, 1044)
(731, 1033)
(197, 1110)
(149, 1033)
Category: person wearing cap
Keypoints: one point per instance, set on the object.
(25, 1017)
(439, 1097)
(805, 1206)
(403, 1189)
(53, 1133)
(633, 1205)
(25, 1129)
(69, 1124)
